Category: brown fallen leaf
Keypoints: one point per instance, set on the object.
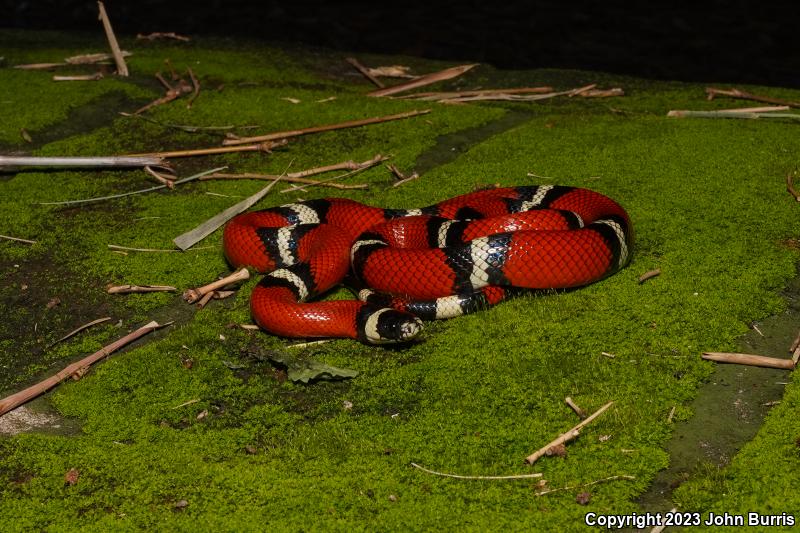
(559, 450)
(53, 302)
(583, 498)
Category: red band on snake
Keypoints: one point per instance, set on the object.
(455, 257)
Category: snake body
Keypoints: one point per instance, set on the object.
(454, 257)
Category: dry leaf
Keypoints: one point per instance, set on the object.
(559, 450)
(290, 99)
(53, 302)
(583, 498)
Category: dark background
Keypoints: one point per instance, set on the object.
(720, 41)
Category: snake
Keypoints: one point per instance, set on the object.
(458, 256)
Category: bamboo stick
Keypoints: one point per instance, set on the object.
(21, 397)
(144, 160)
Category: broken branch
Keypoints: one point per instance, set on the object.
(122, 68)
(327, 127)
(569, 435)
(19, 398)
(749, 359)
(193, 295)
(356, 168)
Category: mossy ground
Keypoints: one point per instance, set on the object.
(474, 396)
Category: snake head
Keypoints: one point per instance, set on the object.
(386, 325)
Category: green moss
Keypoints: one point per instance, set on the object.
(475, 396)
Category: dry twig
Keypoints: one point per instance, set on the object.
(193, 295)
(78, 330)
(162, 35)
(427, 79)
(326, 127)
(17, 239)
(749, 359)
(569, 435)
(458, 476)
(364, 71)
(122, 68)
(436, 96)
(572, 405)
(649, 275)
(85, 77)
(790, 186)
(19, 398)
(288, 178)
(265, 146)
(128, 289)
(611, 478)
(140, 191)
(713, 92)
(355, 169)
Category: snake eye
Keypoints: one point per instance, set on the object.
(382, 326)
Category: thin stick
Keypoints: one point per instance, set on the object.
(790, 186)
(428, 79)
(163, 35)
(266, 146)
(189, 402)
(140, 191)
(303, 344)
(122, 68)
(17, 239)
(566, 436)
(195, 88)
(523, 97)
(796, 356)
(360, 167)
(762, 109)
(193, 295)
(572, 405)
(86, 77)
(749, 359)
(671, 413)
(128, 289)
(649, 275)
(736, 93)
(19, 398)
(795, 343)
(458, 476)
(439, 95)
(611, 478)
(82, 162)
(364, 71)
(78, 330)
(288, 179)
(184, 241)
(89, 59)
(728, 114)
(327, 127)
